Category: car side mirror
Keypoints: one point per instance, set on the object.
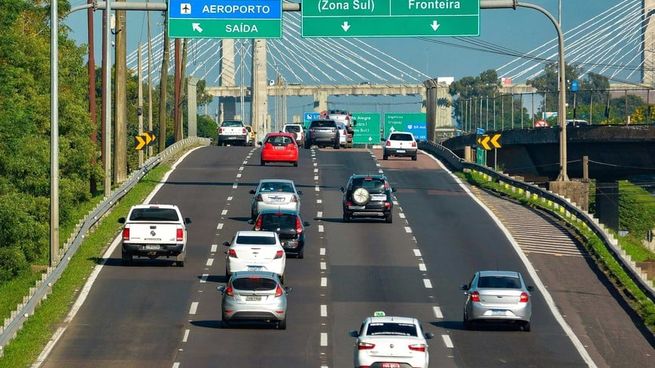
(342, 189)
(252, 191)
(220, 289)
(305, 223)
(530, 288)
(353, 333)
(299, 192)
(429, 335)
(464, 287)
(121, 220)
(227, 243)
(288, 289)
(187, 220)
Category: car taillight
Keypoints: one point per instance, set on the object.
(279, 254)
(417, 347)
(258, 223)
(294, 199)
(278, 291)
(229, 291)
(475, 296)
(259, 198)
(232, 253)
(388, 144)
(298, 225)
(413, 144)
(365, 346)
(221, 130)
(387, 205)
(126, 233)
(179, 235)
(524, 297)
(349, 203)
(245, 131)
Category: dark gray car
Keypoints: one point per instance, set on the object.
(322, 133)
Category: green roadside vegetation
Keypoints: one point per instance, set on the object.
(38, 329)
(638, 300)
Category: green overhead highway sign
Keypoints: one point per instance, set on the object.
(390, 18)
(225, 18)
(367, 129)
(401, 121)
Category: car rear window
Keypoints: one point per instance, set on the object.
(272, 222)
(154, 214)
(400, 137)
(272, 186)
(375, 186)
(232, 123)
(254, 283)
(391, 329)
(499, 282)
(292, 128)
(258, 240)
(323, 124)
(279, 140)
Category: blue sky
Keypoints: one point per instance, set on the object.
(521, 30)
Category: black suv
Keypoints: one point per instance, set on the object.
(323, 133)
(367, 196)
(289, 227)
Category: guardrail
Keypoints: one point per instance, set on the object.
(561, 204)
(43, 287)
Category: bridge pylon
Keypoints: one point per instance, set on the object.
(648, 43)
(228, 105)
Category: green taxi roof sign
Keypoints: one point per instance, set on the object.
(378, 314)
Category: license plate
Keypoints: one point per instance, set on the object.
(279, 147)
(390, 365)
(152, 247)
(400, 151)
(254, 268)
(357, 207)
(496, 312)
(251, 298)
(378, 197)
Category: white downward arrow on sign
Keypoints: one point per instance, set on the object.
(345, 26)
(196, 27)
(435, 25)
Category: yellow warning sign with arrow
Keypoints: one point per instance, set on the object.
(144, 139)
(489, 142)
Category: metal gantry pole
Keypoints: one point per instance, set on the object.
(139, 110)
(107, 93)
(54, 133)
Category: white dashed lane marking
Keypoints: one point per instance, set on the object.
(194, 308)
(402, 215)
(437, 313)
(319, 214)
(417, 252)
(224, 212)
(238, 175)
(427, 283)
(323, 310)
(317, 188)
(421, 267)
(203, 278)
(320, 228)
(381, 171)
(235, 185)
(322, 251)
(214, 248)
(447, 341)
(186, 335)
(323, 281)
(323, 265)
(319, 201)
(210, 262)
(315, 177)
(229, 199)
(220, 224)
(408, 229)
(315, 170)
(324, 339)
(241, 168)
(176, 365)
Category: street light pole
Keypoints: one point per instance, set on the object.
(54, 133)
(561, 116)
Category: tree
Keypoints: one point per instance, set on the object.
(469, 88)
(547, 84)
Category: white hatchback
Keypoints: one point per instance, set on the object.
(255, 251)
(385, 341)
(400, 144)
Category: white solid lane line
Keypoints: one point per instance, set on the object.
(437, 313)
(186, 335)
(417, 252)
(323, 310)
(322, 251)
(203, 278)
(194, 308)
(210, 262)
(447, 341)
(421, 267)
(214, 248)
(323, 281)
(324, 339)
(427, 283)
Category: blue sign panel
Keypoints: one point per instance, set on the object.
(479, 131)
(575, 85)
(225, 9)
(419, 130)
(309, 116)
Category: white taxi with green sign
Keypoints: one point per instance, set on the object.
(391, 342)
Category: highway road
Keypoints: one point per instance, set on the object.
(154, 315)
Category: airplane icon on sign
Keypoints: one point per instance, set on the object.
(185, 8)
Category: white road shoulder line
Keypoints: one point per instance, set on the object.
(194, 308)
(427, 283)
(447, 341)
(437, 313)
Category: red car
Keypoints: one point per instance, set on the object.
(279, 147)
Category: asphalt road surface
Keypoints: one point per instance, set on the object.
(153, 314)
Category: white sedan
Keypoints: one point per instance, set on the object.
(255, 251)
(392, 342)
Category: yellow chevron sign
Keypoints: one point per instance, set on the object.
(144, 139)
(489, 142)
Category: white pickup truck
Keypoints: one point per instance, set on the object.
(154, 230)
(232, 132)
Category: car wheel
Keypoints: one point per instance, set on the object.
(127, 258)
(337, 145)
(179, 260)
(525, 326)
(346, 217)
(468, 325)
(301, 255)
(282, 325)
(388, 218)
(226, 322)
(414, 158)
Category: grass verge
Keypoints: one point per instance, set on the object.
(637, 299)
(38, 329)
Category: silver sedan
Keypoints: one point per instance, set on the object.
(497, 296)
(255, 296)
(276, 194)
